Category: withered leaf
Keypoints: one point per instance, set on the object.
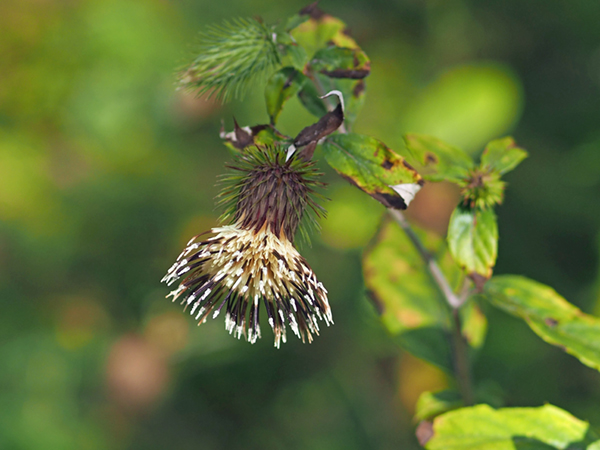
(324, 127)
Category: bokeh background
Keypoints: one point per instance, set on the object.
(106, 171)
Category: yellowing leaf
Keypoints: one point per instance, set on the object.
(374, 168)
(483, 428)
(411, 306)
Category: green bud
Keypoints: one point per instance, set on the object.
(483, 188)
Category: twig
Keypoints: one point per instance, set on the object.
(462, 369)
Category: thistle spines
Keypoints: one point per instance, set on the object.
(231, 57)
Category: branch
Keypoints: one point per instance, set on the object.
(435, 271)
(460, 347)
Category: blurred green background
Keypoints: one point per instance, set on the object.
(106, 171)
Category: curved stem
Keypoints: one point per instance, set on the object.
(453, 300)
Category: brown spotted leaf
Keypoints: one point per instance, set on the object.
(319, 30)
(337, 62)
(440, 161)
(353, 92)
(411, 306)
(549, 315)
(242, 137)
(374, 168)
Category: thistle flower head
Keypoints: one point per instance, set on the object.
(231, 57)
(252, 260)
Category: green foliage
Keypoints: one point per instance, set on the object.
(280, 88)
(231, 57)
(483, 428)
(555, 320)
(481, 186)
(412, 307)
(91, 129)
(339, 62)
(473, 240)
(319, 30)
(432, 404)
(311, 99)
(502, 155)
(422, 289)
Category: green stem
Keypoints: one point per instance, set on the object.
(462, 366)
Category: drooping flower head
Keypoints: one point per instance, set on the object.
(252, 260)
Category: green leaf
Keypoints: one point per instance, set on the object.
(502, 155)
(231, 57)
(473, 240)
(291, 53)
(412, 308)
(310, 98)
(374, 168)
(342, 69)
(483, 428)
(281, 87)
(474, 324)
(432, 404)
(338, 62)
(549, 315)
(441, 161)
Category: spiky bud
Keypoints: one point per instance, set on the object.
(253, 260)
(482, 189)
